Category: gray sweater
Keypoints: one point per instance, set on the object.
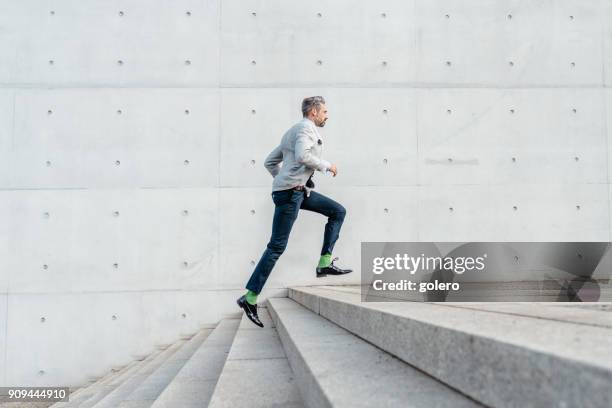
(300, 151)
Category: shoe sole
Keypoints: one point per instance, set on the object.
(322, 275)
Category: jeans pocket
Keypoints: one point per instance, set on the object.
(282, 197)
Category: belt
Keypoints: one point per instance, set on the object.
(298, 188)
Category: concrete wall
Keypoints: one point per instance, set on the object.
(134, 203)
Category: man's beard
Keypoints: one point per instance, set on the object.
(322, 124)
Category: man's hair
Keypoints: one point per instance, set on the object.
(312, 102)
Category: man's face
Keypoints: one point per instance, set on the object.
(320, 115)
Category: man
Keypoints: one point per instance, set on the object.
(300, 151)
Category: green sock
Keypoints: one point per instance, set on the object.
(325, 260)
(251, 297)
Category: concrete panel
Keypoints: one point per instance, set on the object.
(248, 136)
(6, 134)
(291, 43)
(494, 136)
(606, 13)
(115, 327)
(371, 136)
(85, 43)
(80, 253)
(252, 124)
(8, 260)
(482, 38)
(486, 213)
(83, 133)
(608, 130)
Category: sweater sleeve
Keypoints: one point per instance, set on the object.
(272, 161)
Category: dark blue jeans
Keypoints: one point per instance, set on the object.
(288, 204)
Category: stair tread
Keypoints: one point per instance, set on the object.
(545, 335)
(194, 384)
(146, 393)
(114, 398)
(256, 373)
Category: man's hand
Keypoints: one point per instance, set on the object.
(333, 169)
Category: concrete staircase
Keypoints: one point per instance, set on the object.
(323, 347)
(499, 354)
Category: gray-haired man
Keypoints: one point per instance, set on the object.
(300, 151)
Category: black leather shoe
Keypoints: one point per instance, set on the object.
(331, 270)
(250, 310)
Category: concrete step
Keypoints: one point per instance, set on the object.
(502, 358)
(256, 373)
(108, 386)
(335, 368)
(104, 389)
(193, 385)
(85, 394)
(116, 396)
(148, 391)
